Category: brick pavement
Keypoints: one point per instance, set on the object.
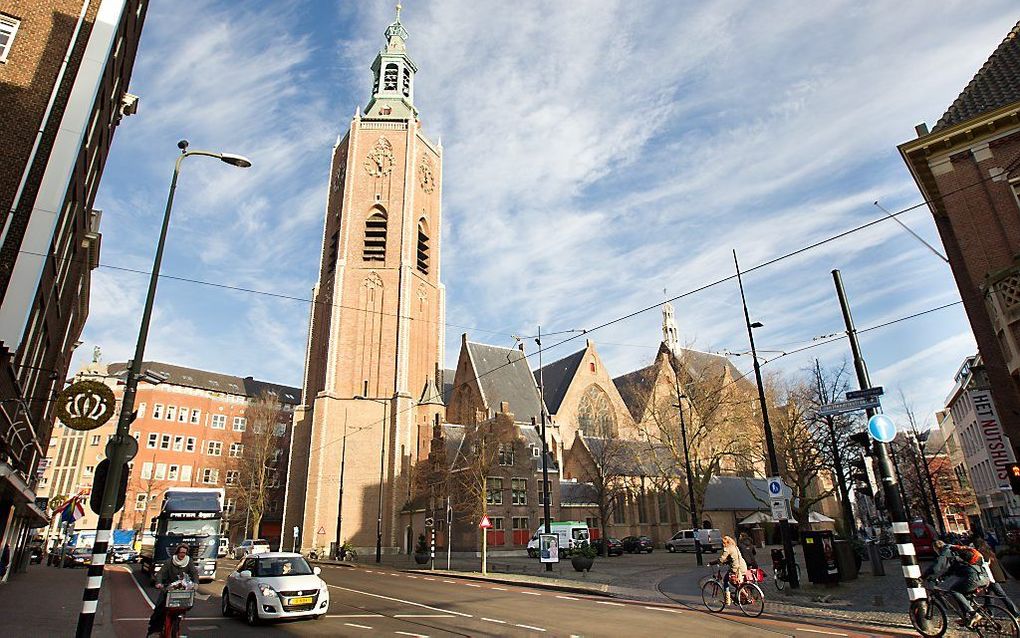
(46, 601)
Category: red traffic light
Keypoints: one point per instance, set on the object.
(1014, 477)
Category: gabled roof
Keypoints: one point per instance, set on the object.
(574, 493)
(503, 375)
(632, 458)
(557, 377)
(212, 381)
(635, 389)
(996, 84)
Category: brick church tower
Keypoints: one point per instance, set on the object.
(375, 337)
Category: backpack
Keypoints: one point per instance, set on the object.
(966, 555)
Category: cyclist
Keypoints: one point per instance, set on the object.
(964, 564)
(180, 564)
(731, 558)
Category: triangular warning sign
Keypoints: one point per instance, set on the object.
(322, 530)
(485, 523)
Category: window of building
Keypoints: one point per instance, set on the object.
(594, 529)
(620, 509)
(196, 416)
(219, 421)
(595, 413)
(496, 533)
(375, 237)
(178, 443)
(157, 411)
(171, 412)
(185, 473)
(519, 491)
(494, 491)
(182, 416)
(230, 506)
(274, 479)
(591, 364)
(239, 423)
(423, 246)
(663, 500)
(140, 502)
(506, 454)
(141, 410)
(8, 29)
(189, 445)
(642, 509)
(231, 477)
(95, 439)
(280, 429)
(164, 442)
(160, 471)
(390, 74)
(173, 472)
(210, 475)
(153, 440)
(236, 449)
(214, 448)
(541, 495)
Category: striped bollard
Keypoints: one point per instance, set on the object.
(432, 550)
(90, 599)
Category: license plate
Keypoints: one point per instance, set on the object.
(303, 600)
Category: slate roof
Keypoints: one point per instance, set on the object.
(574, 493)
(503, 375)
(212, 381)
(453, 436)
(736, 493)
(557, 377)
(635, 458)
(996, 84)
(448, 385)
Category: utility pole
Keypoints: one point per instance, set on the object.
(784, 523)
(545, 444)
(340, 499)
(695, 525)
(908, 557)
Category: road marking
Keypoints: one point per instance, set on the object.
(406, 602)
(530, 627)
(369, 571)
(423, 615)
(819, 631)
(566, 597)
(404, 633)
(606, 602)
(472, 585)
(145, 596)
(427, 578)
(452, 582)
(672, 611)
(502, 622)
(500, 588)
(531, 593)
(410, 576)
(354, 616)
(350, 624)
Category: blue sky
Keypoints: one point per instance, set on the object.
(596, 153)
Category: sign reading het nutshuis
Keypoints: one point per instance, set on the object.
(1000, 452)
(85, 405)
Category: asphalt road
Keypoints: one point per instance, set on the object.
(377, 602)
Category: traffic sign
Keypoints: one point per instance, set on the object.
(85, 405)
(485, 523)
(877, 391)
(130, 445)
(429, 522)
(99, 486)
(781, 509)
(852, 405)
(775, 486)
(881, 428)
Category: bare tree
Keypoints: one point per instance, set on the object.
(151, 487)
(471, 473)
(607, 466)
(257, 480)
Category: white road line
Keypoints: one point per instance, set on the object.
(472, 585)
(567, 597)
(606, 602)
(502, 622)
(145, 596)
(452, 582)
(410, 576)
(530, 627)
(369, 571)
(354, 615)
(427, 578)
(500, 588)
(350, 624)
(406, 602)
(189, 618)
(423, 615)
(819, 631)
(531, 593)
(672, 611)
(404, 633)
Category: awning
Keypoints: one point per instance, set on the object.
(815, 517)
(12, 482)
(761, 517)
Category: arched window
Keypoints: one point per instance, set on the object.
(423, 246)
(390, 77)
(375, 236)
(595, 414)
(407, 82)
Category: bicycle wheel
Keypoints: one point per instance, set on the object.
(885, 552)
(780, 578)
(928, 616)
(714, 596)
(751, 599)
(997, 622)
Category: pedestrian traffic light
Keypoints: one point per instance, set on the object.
(1014, 477)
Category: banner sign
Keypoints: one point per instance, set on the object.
(1000, 452)
(549, 550)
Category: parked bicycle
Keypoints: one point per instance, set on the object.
(779, 570)
(931, 618)
(747, 594)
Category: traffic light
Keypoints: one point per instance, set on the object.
(859, 475)
(1014, 477)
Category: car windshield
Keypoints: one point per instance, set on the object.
(83, 550)
(205, 527)
(282, 566)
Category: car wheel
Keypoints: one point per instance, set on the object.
(252, 612)
(225, 605)
(672, 550)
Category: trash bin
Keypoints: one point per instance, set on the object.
(820, 557)
(846, 562)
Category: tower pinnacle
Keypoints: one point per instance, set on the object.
(670, 335)
(393, 70)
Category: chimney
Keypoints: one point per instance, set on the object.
(504, 406)
(921, 128)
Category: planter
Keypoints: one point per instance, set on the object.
(582, 563)
(1011, 563)
(421, 559)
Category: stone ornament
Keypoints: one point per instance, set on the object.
(338, 179)
(379, 162)
(373, 281)
(425, 175)
(85, 405)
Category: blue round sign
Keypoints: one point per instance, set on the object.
(881, 428)
(775, 488)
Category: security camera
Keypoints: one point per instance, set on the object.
(128, 104)
(183, 145)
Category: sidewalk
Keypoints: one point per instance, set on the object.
(46, 601)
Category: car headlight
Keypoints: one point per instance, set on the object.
(267, 591)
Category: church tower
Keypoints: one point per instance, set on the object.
(375, 338)
(670, 334)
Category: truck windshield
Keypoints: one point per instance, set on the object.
(205, 527)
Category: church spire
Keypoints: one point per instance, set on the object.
(670, 334)
(393, 90)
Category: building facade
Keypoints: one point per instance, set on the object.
(193, 429)
(65, 66)
(968, 169)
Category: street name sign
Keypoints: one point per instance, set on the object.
(877, 391)
(851, 405)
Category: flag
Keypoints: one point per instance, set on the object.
(73, 510)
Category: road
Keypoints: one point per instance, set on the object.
(377, 602)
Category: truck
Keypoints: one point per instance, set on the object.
(189, 515)
(570, 533)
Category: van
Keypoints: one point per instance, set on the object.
(570, 533)
(683, 541)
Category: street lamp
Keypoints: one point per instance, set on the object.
(687, 468)
(127, 410)
(382, 470)
(784, 524)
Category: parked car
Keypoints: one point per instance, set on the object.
(683, 541)
(275, 585)
(613, 546)
(78, 557)
(251, 546)
(124, 554)
(639, 544)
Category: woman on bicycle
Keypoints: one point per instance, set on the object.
(731, 558)
(180, 564)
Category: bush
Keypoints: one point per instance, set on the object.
(585, 550)
(422, 547)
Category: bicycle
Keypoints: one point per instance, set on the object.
(779, 570)
(931, 619)
(749, 596)
(180, 598)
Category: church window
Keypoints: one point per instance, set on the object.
(375, 237)
(595, 414)
(423, 247)
(407, 83)
(390, 77)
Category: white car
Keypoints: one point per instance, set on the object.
(251, 546)
(275, 585)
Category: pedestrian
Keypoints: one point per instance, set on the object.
(747, 550)
(996, 574)
(731, 558)
(180, 564)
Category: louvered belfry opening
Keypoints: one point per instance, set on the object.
(423, 248)
(375, 237)
(390, 77)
